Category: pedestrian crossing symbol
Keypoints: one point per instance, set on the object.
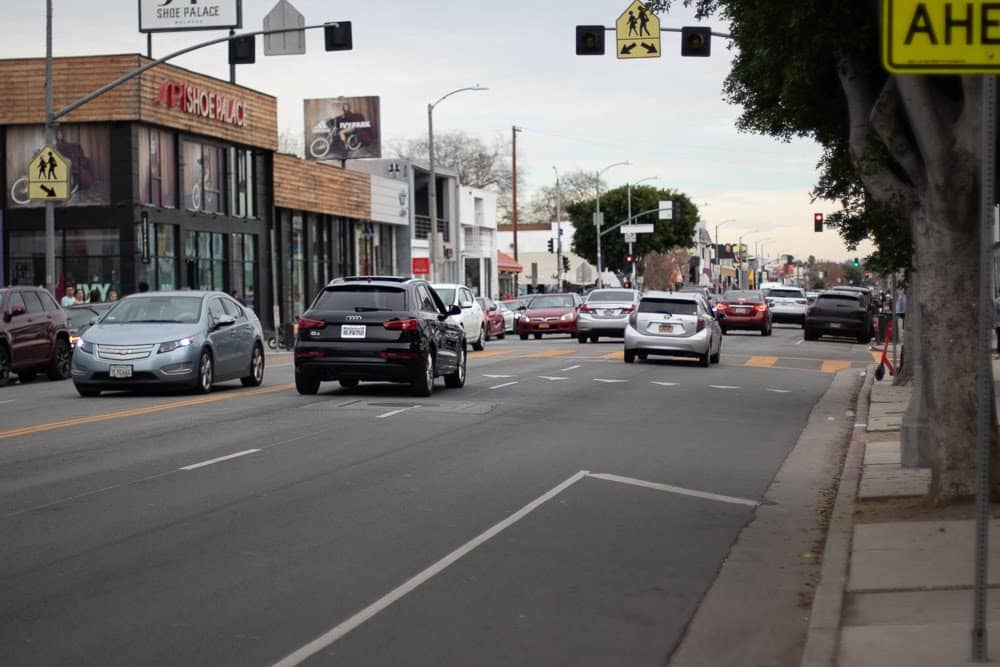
(637, 32)
(48, 176)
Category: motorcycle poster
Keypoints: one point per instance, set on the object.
(342, 128)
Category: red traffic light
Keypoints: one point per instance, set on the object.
(818, 222)
(628, 259)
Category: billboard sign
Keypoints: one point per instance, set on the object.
(342, 128)
(177, 15)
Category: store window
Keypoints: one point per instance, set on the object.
(384, 251)
(160, 273)
(241, 182)
(243, 254)
(157, 168)
(203, 185)
(205, 253)
(297, 274)
(86, 259)
(319, 254)
(86, 146)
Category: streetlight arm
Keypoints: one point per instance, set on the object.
(458, 90)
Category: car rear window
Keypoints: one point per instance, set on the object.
(835, 299)
(736, 295)
(671, 306)
(361, 297)
(552, 302)
(610, 295)
(786, 293)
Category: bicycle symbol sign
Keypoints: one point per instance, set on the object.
(48, 176)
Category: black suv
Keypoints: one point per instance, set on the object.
(33, 335)
(378, 328)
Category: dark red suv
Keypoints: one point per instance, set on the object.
(33, 335)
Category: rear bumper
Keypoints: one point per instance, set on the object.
(837, 327)
(602, 326)
(388, 363)
(687, 346)
(755, 322)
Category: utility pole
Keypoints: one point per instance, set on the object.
(559, 269)
(513, 163)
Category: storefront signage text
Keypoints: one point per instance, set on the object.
(201, 102)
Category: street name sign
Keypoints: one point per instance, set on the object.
(949, 37)
(637, 32)
(637, 229)
(48, 176)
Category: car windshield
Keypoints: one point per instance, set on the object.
(447, 294)
(156, 309)
(668, 306)
(552, 301)
(610, 295)
(78, 317)
(785, 293)
(736, 295)
(361, 298)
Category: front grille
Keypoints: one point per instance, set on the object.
(124, 352)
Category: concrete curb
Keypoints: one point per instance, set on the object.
(823, 636)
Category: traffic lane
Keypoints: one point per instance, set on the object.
(602, 574)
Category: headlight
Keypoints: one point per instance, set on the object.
(81, 344)
(174, 344)
(569, 316)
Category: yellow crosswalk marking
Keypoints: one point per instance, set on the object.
(761, 362)
(488, 353)
(614, 355)
(834, 365)
(547, 353)
(877, 356)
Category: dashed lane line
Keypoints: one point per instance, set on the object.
(505, 384)
(195, 466)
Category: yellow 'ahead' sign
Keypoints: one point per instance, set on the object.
(949, 37)
(637, 32)
(48, 176)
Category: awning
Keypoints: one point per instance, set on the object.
(506, 264)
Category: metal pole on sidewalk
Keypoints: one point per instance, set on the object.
(984, 408)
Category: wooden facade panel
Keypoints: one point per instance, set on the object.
(304, 185)
(134, 100)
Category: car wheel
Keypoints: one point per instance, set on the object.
(59, 366)
(348, 384)
(502, 334)
(864, 339)
(27, 376)
(594, 339)
(725, 331)
(810, 334)
(423, 384)
(581, 338)
(714, 359)
(456, 380)
(256, 368)
(478, 345)
(763, 332)
(524, 336)
(87, 392)
(538, 336)
(703, 360)
(4, 366)
(642, 356)
(206, 374)
(629, 356)
(306, 384)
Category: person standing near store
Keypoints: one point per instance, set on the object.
(78, 297)
(67, 299)
(94, 296)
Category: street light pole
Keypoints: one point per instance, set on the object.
(743, 257)
(629, 218)
(559, 271)
(597, 219)
(432, 183)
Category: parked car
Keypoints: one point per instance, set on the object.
(517, 307)
(702, 290)
(186, 338)
(605, 313)
(395, 330)
(493, 319)
(549, 314)
(33, 335)
(746, 310)
(788, 304)
(675, 324)
(82, 316)
(509, 318)
(839, 313)
(471, 317)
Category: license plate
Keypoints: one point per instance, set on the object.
(119, 371)
(543, 326)
(741, 311)
(834, 325)
(352, 331)
(666, 328)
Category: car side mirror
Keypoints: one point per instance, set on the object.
(225, 321)
(455, 310)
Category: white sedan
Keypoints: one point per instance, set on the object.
(471, 319)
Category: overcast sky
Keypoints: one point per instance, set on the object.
(666, 116)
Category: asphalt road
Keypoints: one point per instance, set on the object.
(564, 508)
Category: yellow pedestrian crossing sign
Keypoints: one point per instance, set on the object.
(48, 176)
(638, 32)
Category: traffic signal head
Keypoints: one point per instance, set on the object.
(629, 258)
(590, 40)
(856, 262)
(337, 36)
(551, 246)
(242, 50)
(818, 222)
(676, 209)
(696, 42)
(565, 261)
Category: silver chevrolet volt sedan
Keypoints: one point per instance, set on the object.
(187, 338)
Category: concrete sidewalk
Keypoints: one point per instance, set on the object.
(895, 592)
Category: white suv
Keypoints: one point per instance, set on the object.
(788, 304)
(471, 319)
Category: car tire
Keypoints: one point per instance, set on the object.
(725, 332)
(864, 339)
(206, 373)
(538, 336)
(703, 360)
(714, 359)
(524, 336)
(810, 334)
(594, 339)
(478, 345)
(4, 366)
(642, 356)
(306, 384)
(58, 368)
(256, 376)
(629, 356)
(456, 380)
(348, 384)
(581, 338)
(87, 392)
(27, 375)
(423, 384)
(502, 334)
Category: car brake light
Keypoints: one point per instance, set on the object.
(587, 309)
(633, 318)
(402, 325)
(628, 309)
(801, 301)
(813, 311)
(722, 306)
(760, 307)
(701, 324)
(307, 323)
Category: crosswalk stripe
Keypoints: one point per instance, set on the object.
(761, 362)
(834, 365)
(545, 354)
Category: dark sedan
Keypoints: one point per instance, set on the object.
(379, 329)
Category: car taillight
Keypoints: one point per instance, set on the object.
(760, 307)
(633, 318)
(308, 323)
(722, 306)
(628, 309)
(587, 309)
(701, 324)
(801, 301)
(402, 325)
(814, 311)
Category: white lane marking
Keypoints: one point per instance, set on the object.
(552, 377)
(328, 638)
(780, 391)
(669, 488)
(505, 384)
(799, 341)
(395, 412)
(569, 368)
(219, 460)
(860, 425)
(608, 381)
(8, 401)
(663, 384)
(722, 386)
(486, 375)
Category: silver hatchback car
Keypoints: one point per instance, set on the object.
(185, 338)
(605, 312)
(676, 324)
